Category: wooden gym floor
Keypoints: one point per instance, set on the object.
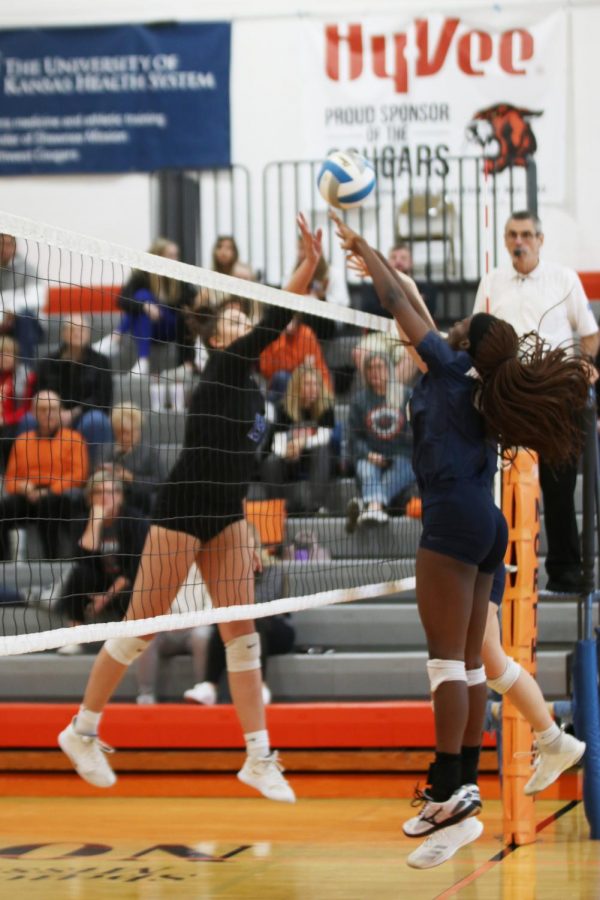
(75, 848)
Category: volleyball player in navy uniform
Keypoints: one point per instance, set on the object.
(199, 518)
(555, 750)
(483, 389)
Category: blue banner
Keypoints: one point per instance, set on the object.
(117, 99)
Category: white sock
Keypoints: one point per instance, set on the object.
(547, 737)
(257, 743)
(141, 367)
(86, 721)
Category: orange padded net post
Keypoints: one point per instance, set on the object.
(521, 507)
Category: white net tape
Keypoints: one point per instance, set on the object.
(49, 640)
(128, 258)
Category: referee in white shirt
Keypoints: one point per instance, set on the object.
(534, 295)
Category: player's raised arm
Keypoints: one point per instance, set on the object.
(392, 293)
(357, 264)
(301, 279)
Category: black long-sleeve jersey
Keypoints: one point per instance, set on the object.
(225, 424)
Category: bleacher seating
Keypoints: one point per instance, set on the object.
(370, 649)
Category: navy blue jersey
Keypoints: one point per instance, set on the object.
(448, 431)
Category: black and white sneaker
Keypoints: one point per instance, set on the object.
(464, 802)
(438, 848)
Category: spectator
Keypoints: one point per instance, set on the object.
(22, 295)
(109, 553)
(82, 378)
(380, 444)
(173, 388)
(226, 259)
(296, 345)
(404, 369)
(300, 446)
(277, 634)
(192, 596)
(16, 391)
(400, 258)
(46, 470)
(183, 642)
(535, 295)
(154, 309)
(137, 465)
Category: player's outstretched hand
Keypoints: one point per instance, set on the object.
(357, 264)
(349, 239)
(312, 243)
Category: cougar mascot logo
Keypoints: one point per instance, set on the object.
(504, 133)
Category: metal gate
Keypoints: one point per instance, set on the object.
(437, 206)
(194, 208)
(438, 209)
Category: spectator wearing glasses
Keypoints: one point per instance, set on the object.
(535, 295)
(22, 296)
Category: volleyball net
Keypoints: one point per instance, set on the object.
(103, 359)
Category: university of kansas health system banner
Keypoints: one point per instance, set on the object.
(114, 99)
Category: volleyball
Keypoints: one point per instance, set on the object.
(346, 179)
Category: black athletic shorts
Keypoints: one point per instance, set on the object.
(461, 520)
(181, 506)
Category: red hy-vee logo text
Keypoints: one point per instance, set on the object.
(389, 58)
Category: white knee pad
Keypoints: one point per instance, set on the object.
(476, 676)
(504, 682)
(243, 653)
(440, 670)
(125, 650)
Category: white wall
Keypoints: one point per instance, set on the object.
(118, 208)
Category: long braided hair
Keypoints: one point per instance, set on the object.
(530, 395)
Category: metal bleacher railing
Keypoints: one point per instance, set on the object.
(437, 210)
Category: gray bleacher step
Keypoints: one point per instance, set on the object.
(303, 578)
(393, 626)
(27, 620)
(35, 574)
(165, 427)
(295, 677)
(399, 536)
(346, 676)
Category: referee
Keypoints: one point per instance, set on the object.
(535, 295)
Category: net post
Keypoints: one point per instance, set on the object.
(521, 507)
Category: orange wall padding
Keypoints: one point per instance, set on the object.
(591, 284)
(72, 298)
(401, 724)
(521, 508)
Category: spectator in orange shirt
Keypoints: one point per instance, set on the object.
(296, 345)
(46, 471)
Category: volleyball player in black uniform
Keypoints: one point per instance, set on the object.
(483, 388)
(199, 518)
